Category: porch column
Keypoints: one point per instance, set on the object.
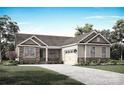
(46, 55)
(85, 54)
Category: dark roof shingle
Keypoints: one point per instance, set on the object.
(49, 40)
(75, 39)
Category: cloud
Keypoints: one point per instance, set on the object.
(94, 17)
(104, 17)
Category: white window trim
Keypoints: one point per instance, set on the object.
(94, 55)
(103, 54)
(29, 56)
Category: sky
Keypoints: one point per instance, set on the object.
(62, 21)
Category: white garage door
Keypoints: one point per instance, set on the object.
(70, 58)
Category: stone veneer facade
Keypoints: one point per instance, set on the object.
(22, 59)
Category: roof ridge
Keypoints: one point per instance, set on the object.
(44, 35)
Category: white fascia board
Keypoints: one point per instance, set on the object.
(25, 40)
(49, 47)
(54, 47)
(105, 38)
(68, 45)
(28, 45)
(35, 42)
(40, 40)
(87, 36)
(96, 36)
(94, 44)
(92, 38)
(30, 38)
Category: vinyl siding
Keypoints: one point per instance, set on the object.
(98, 51)
(81, 51)
(102, 41)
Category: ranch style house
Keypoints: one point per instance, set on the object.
(37, 49)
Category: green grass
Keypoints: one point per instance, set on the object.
(27, 75)
(114, 68)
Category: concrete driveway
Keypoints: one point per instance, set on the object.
(87, 75)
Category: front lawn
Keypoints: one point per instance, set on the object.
(27, 75)
(114, 68)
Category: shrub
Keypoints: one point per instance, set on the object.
(87, 63)
(61, 62)
(93, 62)
(123, 62)
(114, 62)
(98, 62)
(11, 55)
(10, 63)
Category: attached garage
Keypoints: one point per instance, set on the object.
(70, 55)
(70, 58)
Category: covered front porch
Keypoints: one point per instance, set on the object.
(48, 55)
(35, 51)
(38, 55)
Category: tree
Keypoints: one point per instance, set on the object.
(118, 35)
(119, 30)
(106, 34)
(115, 51)
(81, 30)
(8, 29)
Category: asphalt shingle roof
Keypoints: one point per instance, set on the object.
(51, 40)
(75, 39)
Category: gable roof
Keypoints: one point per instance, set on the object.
(78, 38)
(58, 40)
(33, 40)
(100, 36)
(49, 40)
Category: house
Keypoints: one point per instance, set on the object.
(71, 50)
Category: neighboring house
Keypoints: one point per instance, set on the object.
(71, 50)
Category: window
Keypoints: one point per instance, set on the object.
(75, 50)
(93, 52)
(29, 52)
(71, 51)
(103, 52)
